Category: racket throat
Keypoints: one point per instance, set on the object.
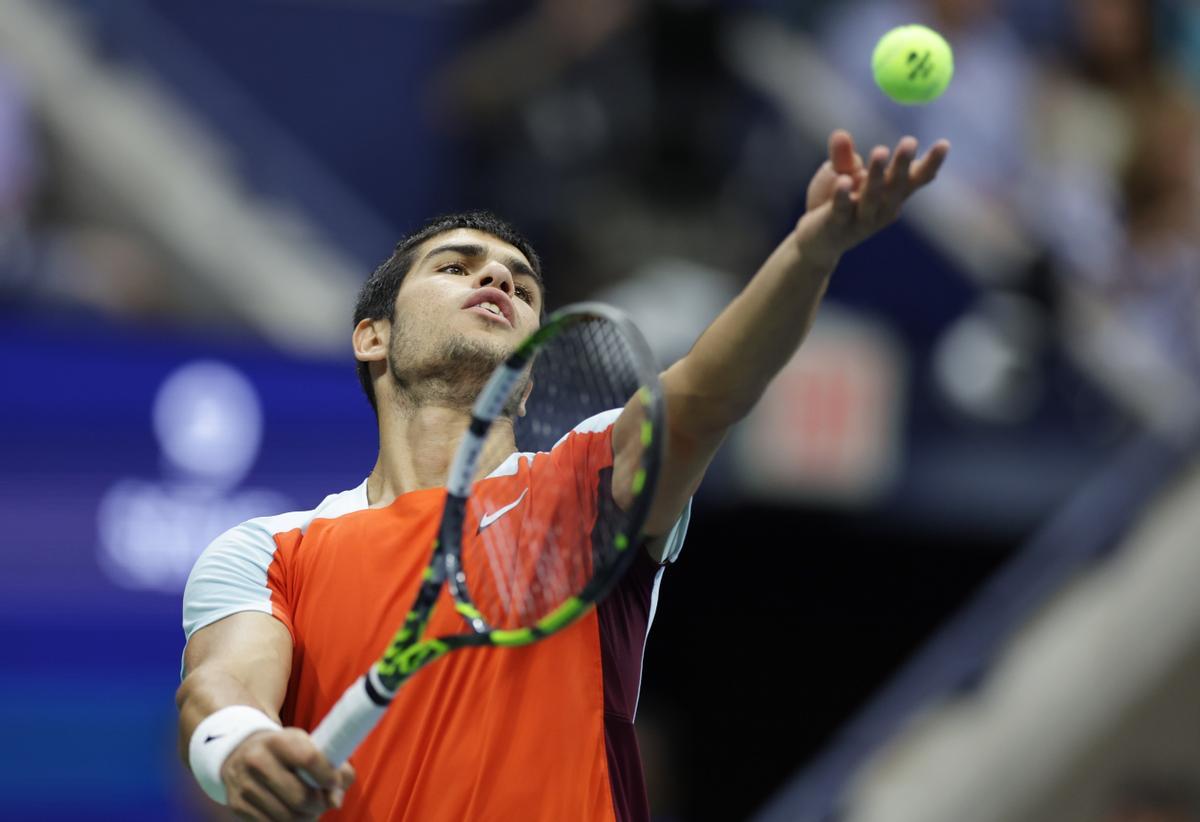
(376, 691)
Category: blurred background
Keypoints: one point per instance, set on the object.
(948, 569)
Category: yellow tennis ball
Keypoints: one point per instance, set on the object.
(912, 64)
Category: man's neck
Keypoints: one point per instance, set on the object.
(417, 445)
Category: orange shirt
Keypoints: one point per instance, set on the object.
(542, 732)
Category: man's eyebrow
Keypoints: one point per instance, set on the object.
(519, 266)
(472, 250)
(465, 249)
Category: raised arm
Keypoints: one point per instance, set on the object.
(736, 357)
(244, 660)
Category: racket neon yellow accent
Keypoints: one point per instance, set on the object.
(511, 639)
(410, 659)
(391, 663)
(561, 615)
(621, 542)
(469, 611)
(639, 480)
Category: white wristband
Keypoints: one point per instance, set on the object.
(216, 737)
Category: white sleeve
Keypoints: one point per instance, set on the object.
(674, 538)
(231, 576)
(239, 571)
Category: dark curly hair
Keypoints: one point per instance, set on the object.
(377, 298)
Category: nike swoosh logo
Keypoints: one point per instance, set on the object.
(488, 519)
(211, 738)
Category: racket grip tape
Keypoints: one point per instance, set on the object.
(347, 724)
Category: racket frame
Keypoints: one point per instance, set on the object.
(363, 703)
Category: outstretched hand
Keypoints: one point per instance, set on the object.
(849, 201)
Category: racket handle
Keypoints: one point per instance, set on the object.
(347, 724)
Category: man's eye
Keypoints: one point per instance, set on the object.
(453, 268)
(525, 294)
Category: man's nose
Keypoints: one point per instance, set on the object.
(497, 275)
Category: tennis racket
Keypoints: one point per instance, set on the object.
(518, 584)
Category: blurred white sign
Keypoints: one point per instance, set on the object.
(208, 421)
(829, 426)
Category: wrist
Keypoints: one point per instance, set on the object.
(814, 259)
(215, 739)
(813, 254)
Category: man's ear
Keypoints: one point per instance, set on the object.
(370, 339)
(524, 398)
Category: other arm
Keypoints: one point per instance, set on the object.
(737, 356)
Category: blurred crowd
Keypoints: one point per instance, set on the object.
(619, 136)
(651, 172)
(620, 132)
(61, 244)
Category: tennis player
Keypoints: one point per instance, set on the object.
(282, 612)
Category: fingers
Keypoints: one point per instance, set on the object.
(870, 198)
(898, 172)
(257, 803)
(849, 201)
(924, 170)
(296, 750)
(336, 796)
(842, 156)
(903, 175)
(283, 782)
(843, 203)
(262, 776)
(889, 184)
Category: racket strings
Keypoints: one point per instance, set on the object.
(544, 550)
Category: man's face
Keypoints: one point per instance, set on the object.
(467, 302)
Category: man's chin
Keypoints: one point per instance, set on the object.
(476, 351)
(485, 343)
